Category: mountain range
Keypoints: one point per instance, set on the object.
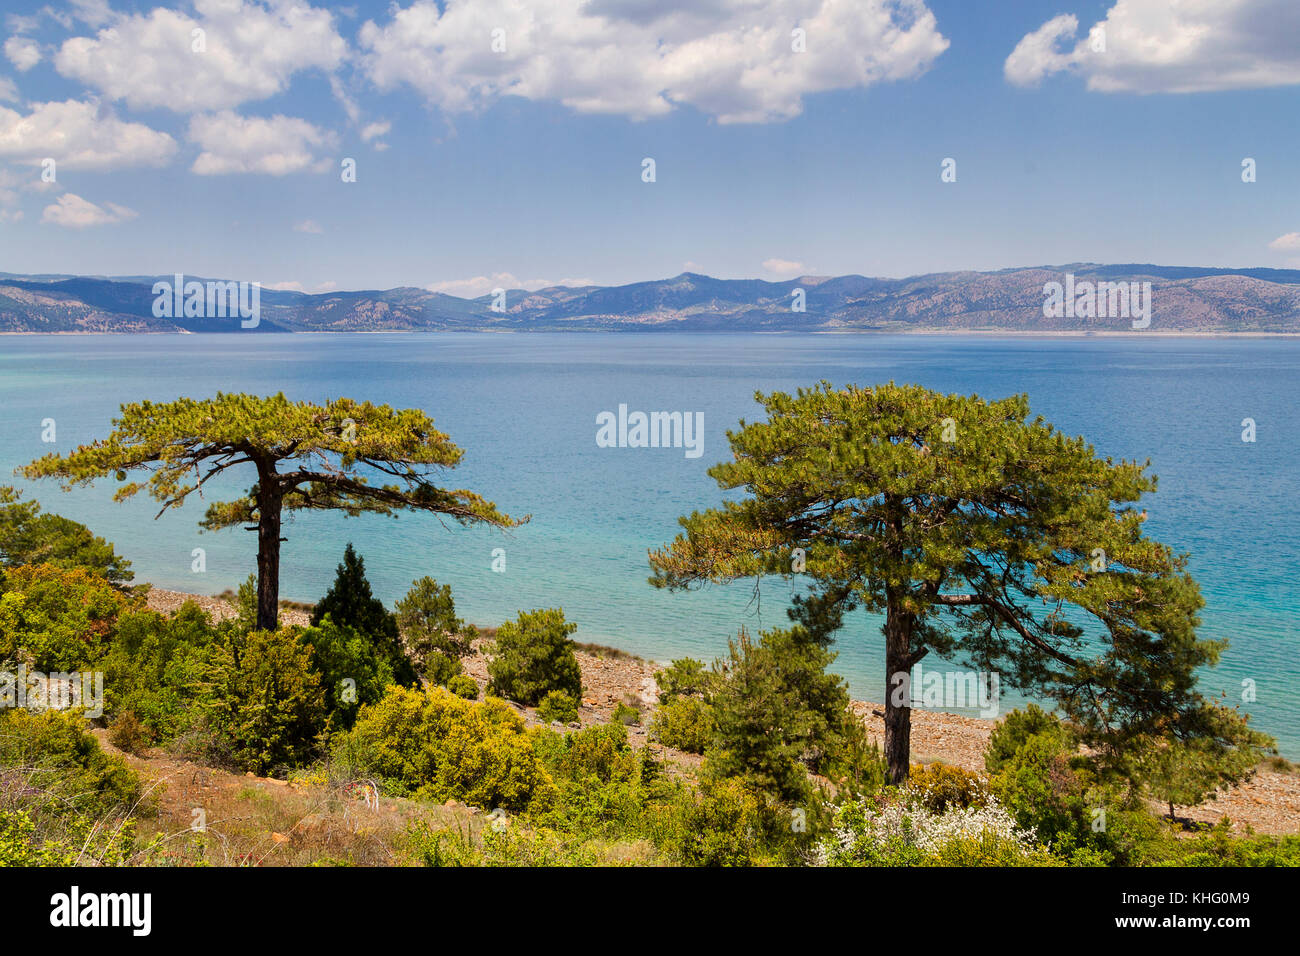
(1184, 300)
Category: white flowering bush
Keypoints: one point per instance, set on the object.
(903, 832)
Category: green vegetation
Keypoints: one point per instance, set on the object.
(63, 620)
(428, 623)
(350, 603)
(978, 533)
(366, 703)
(557, 705)
(264, 705)
(533, 656)
(436, 745)
(29, 537)
(186, 443)
(685, 724)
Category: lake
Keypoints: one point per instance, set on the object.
(524, 408)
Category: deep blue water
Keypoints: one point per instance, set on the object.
(524, 408)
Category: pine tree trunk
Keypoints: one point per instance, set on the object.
(268, 559)
(898, 715)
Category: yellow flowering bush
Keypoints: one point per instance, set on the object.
(433, 744)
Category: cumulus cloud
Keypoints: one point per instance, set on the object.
(80, 135)
(732, 59)
(276, 146)
(309, 226)
(1290, 242)
(251, 52)
(1154, 46)
(482, 285)
(23, 52)
(76, 213)
(786, 268)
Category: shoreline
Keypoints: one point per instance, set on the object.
(1269, 803)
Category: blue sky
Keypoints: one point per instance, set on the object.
(524, 166)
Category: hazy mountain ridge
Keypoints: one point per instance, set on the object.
(1184, 299)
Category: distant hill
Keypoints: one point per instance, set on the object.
(1184, 299)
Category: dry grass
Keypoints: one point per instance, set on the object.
(242, 820)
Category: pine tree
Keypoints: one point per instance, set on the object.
(350, 603)
(978, 533)
(334, 449)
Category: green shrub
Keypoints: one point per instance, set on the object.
(607, 789)
(51, 755)
(432, 744)
(1219, 848)
(440, 668)
(462, 685)
(352, 672)
(534, 656)
(426, 618)
(29, 838)
(557, 705)
(1015, 729)
(1043, 790)
(265, 706)
(156, 668)
(624, 713)
(685, 677)
(684, 723)
(63, 619)
(778, 714)
(29, 537)
(721, 826)
(601, 752)
(939, 786)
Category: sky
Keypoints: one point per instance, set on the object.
(503, 143)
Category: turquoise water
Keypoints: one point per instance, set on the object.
(524, 408)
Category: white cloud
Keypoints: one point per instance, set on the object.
(276, 146)
(373, 131)
(732, 59)
(284, 286)
(310, 226)
(8, 90)
(1157, 46)
(76, 213)
(784, 267)
(1036, 55)
(252, 51)
(80, 135)
(1290, 242)
(482, 285)
(23, 53)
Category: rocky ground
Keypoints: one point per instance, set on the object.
(1269, 803)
